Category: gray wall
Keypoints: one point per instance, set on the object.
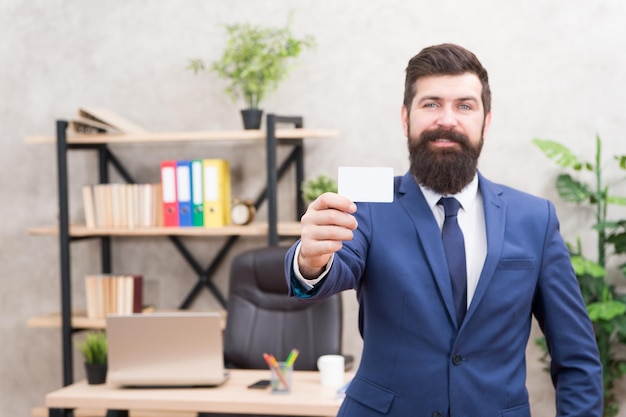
(557, 71)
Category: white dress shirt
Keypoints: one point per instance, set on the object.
(471, 218)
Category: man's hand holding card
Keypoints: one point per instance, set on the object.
(329, 220)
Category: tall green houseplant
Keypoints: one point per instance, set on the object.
(256, 59)
(605, 305)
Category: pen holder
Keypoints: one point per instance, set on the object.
(281, 378)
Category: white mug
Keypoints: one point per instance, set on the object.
(331, 369)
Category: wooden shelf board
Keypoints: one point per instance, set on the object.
(100, 412)
(291, 229)
(53, 321)
(208, 136)
(80, 321)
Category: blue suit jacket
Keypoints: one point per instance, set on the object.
(415, 362)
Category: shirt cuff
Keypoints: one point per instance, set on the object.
(308, 284)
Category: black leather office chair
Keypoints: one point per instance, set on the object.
(262, 318)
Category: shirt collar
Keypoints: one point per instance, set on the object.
(467, 196)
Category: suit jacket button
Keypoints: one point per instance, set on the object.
(437, 414)
(457, 359)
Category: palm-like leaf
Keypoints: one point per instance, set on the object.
(605, 310)
(618, 241)
(584, 267)
(571, 190)
(619, 201)
(561, 154)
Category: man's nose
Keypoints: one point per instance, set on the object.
(447, 118)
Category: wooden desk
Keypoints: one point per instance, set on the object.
(307, 398)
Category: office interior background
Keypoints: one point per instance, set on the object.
(557, 71)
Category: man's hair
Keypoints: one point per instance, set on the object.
(444, 59)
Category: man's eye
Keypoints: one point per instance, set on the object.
(430, 105)
(465, 107)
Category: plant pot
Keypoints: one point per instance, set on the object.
(251, 118)
(96, 373)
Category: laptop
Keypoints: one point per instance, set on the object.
(179, 349)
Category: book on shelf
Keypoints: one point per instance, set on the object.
(197, 199)
(183, 193)
(216, 192)
(84, 125)
(122, 206)
(113, 294)
(99, 120)
(88, 204)
(169, 196)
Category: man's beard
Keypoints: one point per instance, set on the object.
(443, 170)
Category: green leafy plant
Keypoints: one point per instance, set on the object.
(255, 60)
(94, 348)
(606, 307)
(314, 187)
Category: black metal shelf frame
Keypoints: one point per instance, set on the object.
(107, 158)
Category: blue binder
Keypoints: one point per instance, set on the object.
(183, 193)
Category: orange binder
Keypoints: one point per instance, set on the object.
(216, 183)
(168, 193)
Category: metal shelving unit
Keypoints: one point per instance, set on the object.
(99, 143)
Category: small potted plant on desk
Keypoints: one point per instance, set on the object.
(94, 351)
(254, 62)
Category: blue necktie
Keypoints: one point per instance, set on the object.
(455, 254)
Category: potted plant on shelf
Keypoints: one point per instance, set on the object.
(94, 351)
(255, 60)
(597, 279)
(316, 186)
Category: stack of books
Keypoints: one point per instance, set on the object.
(98, 120)
(113, 294)
(125, 206)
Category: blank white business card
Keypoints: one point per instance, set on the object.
(366, 184)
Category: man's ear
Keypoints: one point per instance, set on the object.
(487, 124)
(405, 120)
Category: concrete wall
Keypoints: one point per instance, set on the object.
(557, 71)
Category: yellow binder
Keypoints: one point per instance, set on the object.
(216, 182)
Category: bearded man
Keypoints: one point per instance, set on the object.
(450, 274)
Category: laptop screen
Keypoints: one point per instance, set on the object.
(165, 349)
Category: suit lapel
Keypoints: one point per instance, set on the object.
(495, 217)
(413, 201)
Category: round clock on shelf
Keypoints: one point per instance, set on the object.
(242, 212)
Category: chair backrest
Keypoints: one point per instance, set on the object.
(263, 318)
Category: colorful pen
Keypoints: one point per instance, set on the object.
(291, 358)
(273, 364)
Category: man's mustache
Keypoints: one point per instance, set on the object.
(451, 135)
